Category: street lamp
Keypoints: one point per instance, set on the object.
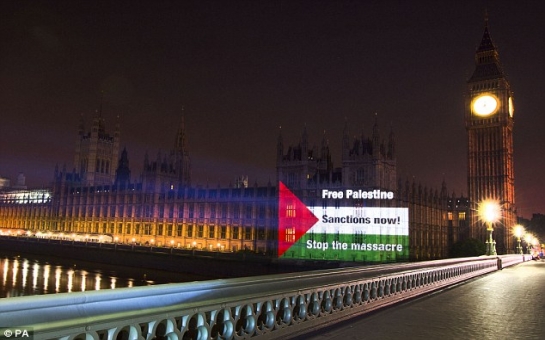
(535, 244)
(529, 239)
(490, 212)
(518, 231)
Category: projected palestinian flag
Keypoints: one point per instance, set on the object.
(341, 233)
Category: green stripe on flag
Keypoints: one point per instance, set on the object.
(350, 247)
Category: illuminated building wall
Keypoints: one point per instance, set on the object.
(163, 208)
(489, 120)
(370, 163)
(97, 153)
(227, 219)
(4, 182)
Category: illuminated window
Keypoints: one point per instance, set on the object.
(449, 216)
(211, 231)
(290, 235)
(290, 210)
(462, 215)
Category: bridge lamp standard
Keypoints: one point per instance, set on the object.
(529, 238)
(535, 244)
(490, 212)
(518, 231)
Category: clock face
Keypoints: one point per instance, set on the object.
(511, 107)
(485, 105)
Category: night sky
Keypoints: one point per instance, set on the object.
(242, 69)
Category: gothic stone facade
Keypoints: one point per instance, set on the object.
(163, 208)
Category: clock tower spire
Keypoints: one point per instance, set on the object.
(489, 124)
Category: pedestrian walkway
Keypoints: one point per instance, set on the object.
(504, 305)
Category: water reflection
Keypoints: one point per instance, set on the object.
(21, 276)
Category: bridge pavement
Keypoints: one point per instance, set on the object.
(507, 304)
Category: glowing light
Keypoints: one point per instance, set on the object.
(485, 105)
(518, 231)
(97, 281)
(490, 211)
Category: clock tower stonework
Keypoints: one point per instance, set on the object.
(489, 123)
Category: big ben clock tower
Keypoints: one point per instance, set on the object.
(489, 123)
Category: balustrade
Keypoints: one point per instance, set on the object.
(264, 307)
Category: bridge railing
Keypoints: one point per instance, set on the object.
(264, 307)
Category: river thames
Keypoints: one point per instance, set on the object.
(28, 274)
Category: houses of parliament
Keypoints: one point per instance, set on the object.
(100, 197)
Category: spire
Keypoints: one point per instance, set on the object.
(81, 126)
(346, 140)
(324, 140)
(376, 138)
(346, 133)
(486, 42)
(486, 59)
(101, 100)
(180, 136)
(375, 127)
(280, 145)
(117, 128)
(391, 144)
(146, 160)
(123, 172)
(304, 138)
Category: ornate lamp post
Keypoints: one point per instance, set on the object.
(535, 244)
(529, 238)
(490, 212)
(518, 231)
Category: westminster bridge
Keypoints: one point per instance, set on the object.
(265, 307)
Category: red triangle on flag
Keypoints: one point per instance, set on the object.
(294, 219)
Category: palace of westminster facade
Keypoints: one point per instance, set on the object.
(164, 208)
